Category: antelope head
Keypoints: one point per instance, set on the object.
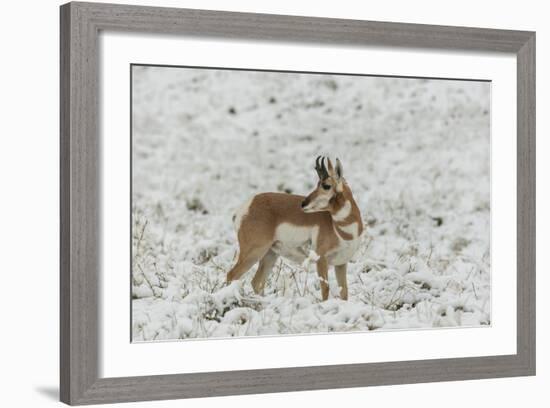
(330, 184)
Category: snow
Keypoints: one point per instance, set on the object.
(415, 153)
(311, 259)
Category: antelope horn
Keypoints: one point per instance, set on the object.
(320, 168)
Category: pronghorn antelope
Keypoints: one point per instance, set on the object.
(278, 224)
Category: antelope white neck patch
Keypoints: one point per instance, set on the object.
(352, 229)
(343, 212)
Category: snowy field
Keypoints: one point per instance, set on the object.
(415, 153)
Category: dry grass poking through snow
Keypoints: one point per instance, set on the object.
(415, 152)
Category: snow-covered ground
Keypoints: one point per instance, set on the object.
(415, 153)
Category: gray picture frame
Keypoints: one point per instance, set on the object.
(80, 234)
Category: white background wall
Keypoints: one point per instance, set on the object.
(29, 201)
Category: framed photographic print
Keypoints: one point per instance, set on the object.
(310, 194)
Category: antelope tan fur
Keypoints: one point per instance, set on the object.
(278, 224)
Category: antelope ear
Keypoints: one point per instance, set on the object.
(339, 169)
(330, 168)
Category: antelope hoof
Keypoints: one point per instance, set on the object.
(258, 287)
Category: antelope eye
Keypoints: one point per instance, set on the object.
(326, 186)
